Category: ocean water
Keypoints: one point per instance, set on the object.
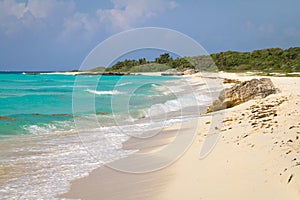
(40, 151)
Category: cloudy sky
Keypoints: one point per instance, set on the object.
(58, 34)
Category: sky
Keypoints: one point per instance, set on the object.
(59, 34)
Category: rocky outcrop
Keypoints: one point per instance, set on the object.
(7, 118)
(189, 71)
(172, 72)
(240, 93)
(231, 81)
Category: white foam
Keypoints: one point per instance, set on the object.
(58, 157)
(155, 85)
(112, 92)
(180, 103)
(49, 128)
(123, 84)
(50, 156)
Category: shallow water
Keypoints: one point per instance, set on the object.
(53, 125)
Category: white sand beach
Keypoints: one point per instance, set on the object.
(256, 157)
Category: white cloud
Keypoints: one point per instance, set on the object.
(129, 13)
(11, 8)
(47, 8)
(65, 21)
(79, 23)
(17, 16)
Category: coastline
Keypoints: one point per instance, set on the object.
(247, 162)
(100, 73)
(37, 135)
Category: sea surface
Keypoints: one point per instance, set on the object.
(44, 118)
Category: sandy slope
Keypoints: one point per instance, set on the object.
(256, 157)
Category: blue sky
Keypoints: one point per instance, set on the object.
(58, 34)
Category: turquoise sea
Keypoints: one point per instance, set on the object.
(44, 99)
(40, 148)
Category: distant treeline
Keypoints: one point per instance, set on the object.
(270, 60)
(163, 62)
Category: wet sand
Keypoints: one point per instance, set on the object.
(257, 156)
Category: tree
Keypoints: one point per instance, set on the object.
(142, 61)
(163, 58)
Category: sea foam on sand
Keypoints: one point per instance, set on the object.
(248, 162)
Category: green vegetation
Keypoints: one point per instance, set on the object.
(150, 67)
(162, 63)
(97, 69)
(75, 70)
(265, 60)
(268, 60)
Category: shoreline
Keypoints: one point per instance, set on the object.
(248, 162)
(271, 169)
